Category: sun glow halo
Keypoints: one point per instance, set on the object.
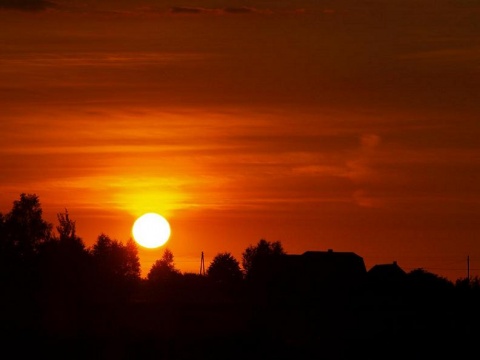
(151, 230)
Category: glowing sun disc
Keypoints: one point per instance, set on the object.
(151, 230)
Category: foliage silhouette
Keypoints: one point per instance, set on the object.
(22, 233)
(66, 227)
(225, 269)
(117, 265)
(132, 268)
(163, 269)
(64, 255)
(24, 228)
(255, 257)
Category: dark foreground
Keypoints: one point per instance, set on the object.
(238, 330)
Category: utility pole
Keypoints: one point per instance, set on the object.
(202, 265)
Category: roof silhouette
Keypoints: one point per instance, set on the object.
(314, 274)
(328, 265)
(386, 272)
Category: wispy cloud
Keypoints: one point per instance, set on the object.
(28, 5)
(240, 10)
(100, 59)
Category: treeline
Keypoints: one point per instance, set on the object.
(36, 256)
(55, 287)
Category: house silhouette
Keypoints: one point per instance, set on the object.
(382, 273)
(313, 275)
(326, 267)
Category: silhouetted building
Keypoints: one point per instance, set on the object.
(386, 272)
(326, 267)
(313, 275)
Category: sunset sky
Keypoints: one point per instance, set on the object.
(345, 125)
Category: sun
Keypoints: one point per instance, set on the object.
(151, 230)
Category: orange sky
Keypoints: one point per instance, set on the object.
(320, 124)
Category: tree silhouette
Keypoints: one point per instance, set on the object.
(116, 265)
(6, 250)
(66, 227)
(132, 268)
(255, 256)
(224, 269)
(468, 292)
(65, 269)
(427, 290)
(2, 232)
(24, 229)
(163, 269)
(67, 238)
(22, 232)
(115, 258)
